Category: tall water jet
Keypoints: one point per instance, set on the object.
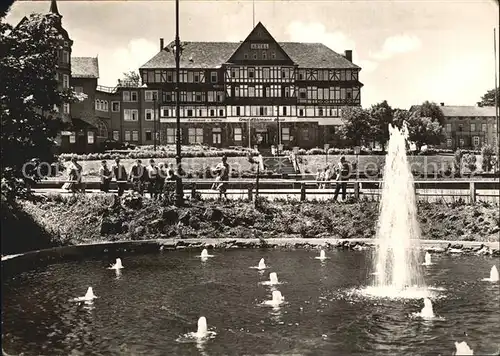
(204, 254)
(202, 327)
(398, 232)
(273, 278)
(463, 349)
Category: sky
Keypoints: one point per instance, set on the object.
(409, 50)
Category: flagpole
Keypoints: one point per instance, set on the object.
(253, 14)
(496, 99)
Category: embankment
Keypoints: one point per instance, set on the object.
(98, 218)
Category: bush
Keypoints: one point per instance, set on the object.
(487, 155)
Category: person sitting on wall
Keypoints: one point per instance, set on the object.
(120, 174)
(343, 172)
(74, 176)
(319, 177)
(137, 177)
(106, 175)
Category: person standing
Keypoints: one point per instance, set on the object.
(120, 174)
(342, 177)
(74, 176)
(105, 174)
(152, 175)
(160, 179)
(137, 177)
(223, 176)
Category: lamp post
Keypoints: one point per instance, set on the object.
(179, 193)
(279, 130)
(154, 122)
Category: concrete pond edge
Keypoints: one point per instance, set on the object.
(29, 260)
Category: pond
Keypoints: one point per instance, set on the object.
(149, 306)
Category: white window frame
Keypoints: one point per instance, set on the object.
(238, 134)
(65, 81)
(285, 134)
(126, 96)
(149, 95)
(472, 127)
(484, 127)
(135, 136)
(65, 56)
(128, 115)
(217, 135)
(115, 102)
(195, 135)
(72, 137)
(127, 136)
(116, 135)
(212, 76)
(90, 137)
(449, 142)
(66, 108)
(172, 135)
(132, 94)
(476, 141)
(146, 133)
(151, 112)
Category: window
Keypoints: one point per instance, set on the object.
(449, 142)
(264, 55)
(72, 138)
(189, 113)
(102, 130)
(78, 89)
(213, 77)
(221, 112)
(172, 135)
(473, 127)
(285, 134)
(90, 137)
(65, 57)
(130, 114)
(448, 127)
(195, 135)
(460, 127)
(255, 56)
(251, 73)
(217, 135)
(476, 141)
(66, 108)
(149, 114)
(133, 96)
(301, 112)
(238, 135)
(149, 136)
(126, 96)
(273, 55)
(150, 95)
(135, 135)
(115, 106)
(65, 81)
(116, 135)
(284, 111)
(305, 134)
(245, 56)
(462, 142)
(127, 135)
(484, 127)
(238, 111)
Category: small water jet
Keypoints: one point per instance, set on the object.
(493, 275)
(427, 311)
(201, 335)
(261, 266)
(204, 254)
(273, 279)
(277, 299)
(117, 265)
(463, 349)
(89, 296)
(322, 255)
(202, 327)
(428, 260)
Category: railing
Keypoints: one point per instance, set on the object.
(104, 89)
(467, 190)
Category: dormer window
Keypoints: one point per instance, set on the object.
(273, 55)
(245, 56)
(65, 43)
(255, 56)
(264, 55)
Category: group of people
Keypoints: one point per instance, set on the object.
(338, 173)
(150, 178)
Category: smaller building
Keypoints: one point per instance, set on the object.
(469, 127)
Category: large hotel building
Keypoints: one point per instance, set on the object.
(257, 91)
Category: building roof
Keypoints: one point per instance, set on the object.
(467, 111)
(213, 54)
(84, 67)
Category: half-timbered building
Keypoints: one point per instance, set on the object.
(257, 91)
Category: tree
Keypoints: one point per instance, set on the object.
(28, 95)
(424, 131)
(488, 99)
(355, 125)
(381, 116)
(432, 111)
(130, 79)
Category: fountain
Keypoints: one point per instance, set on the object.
(493, 275)
(262, 264)
(273, 279)
(322, 255)
(463, 349)
(202, 331)
(428, 261)
(89, 296)
(427, 311)
(204, 254)
(276, 300)
(118, 264)
(398, 230)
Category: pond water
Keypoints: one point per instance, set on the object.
(157, 298)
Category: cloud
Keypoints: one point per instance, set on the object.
(316, 32)
(396, 45)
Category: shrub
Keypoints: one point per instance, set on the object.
(487, 155)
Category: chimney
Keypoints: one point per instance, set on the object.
(162, 44)
(348, 55)
(442, 104)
